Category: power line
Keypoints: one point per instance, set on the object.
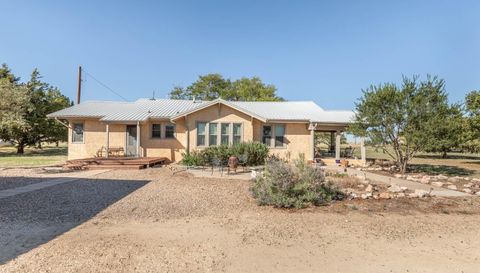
(104, 85)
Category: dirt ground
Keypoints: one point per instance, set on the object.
(184, 224)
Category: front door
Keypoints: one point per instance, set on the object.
(131, 140)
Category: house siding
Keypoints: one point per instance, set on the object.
(297, 136)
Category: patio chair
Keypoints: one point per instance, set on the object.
(242, 161)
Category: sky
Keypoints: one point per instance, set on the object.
(325, 51)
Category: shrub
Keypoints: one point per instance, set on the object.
(255, 154)
(193, 159)
(298, 185)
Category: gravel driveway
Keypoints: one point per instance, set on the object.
(178, 223)
(51, 211)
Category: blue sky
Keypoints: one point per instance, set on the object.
(326, 51)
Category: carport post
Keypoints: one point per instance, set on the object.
(338, 136)
(138, 139)
(107, 140)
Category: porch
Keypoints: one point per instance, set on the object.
(333, 154)
(115, 163)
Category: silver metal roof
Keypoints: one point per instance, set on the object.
(144, 109)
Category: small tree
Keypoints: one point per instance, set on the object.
(472, 127)
(401, 120)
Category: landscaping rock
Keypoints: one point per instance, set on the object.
(384, 195)
(453, 179)
(394, 188)
(403, 188)
(477, 193)
(437, 183)
(468, 185)
(441, 176)
(467, 190)
(425, 179)
(451, 187)
(420, 193)
(400, 194)
(366, 195)
(399, 175)
(369, 188)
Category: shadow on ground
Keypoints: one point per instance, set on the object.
(452, 156)
(440, 169)
(34, 218)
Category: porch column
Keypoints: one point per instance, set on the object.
(363, 151)
(138, 139)
(332, 141)
(312, 143)
(107, 142)
(338, 136)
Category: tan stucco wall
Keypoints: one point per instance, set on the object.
(297, 139)
(297, 136)
(172, 148)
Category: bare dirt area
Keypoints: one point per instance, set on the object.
(153, 221)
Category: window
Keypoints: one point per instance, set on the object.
(279, 135)
(156, 131)
(212, 134)
(201, 133)
(169, 131)
(237, 133)
(225, 134)
(77, 133)
(267, 135)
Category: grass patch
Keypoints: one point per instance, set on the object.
(48, 155)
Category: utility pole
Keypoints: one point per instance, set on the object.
(79, 89)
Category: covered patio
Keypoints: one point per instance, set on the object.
(334, 154)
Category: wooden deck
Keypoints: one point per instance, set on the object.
(115, 163)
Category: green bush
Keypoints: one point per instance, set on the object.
(193, 159)
(254, 153)
(298, 185)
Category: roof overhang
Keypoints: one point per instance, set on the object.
(215, 102)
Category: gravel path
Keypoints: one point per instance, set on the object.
(151, 221)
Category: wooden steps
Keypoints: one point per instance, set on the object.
(115, 163)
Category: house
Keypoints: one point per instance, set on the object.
(168, 128)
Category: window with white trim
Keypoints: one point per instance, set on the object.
(212, 134)
(156, 131)
(225, 134)
(279, 135)
(201, 133)
(267, 135)
(169, 130)
(77, 133)
(237, 133)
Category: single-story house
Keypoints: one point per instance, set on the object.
(168, 128)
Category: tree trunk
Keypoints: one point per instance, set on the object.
(444, 155)
(56, 144)
(20, 148)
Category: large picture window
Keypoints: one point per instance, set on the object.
(212, 134)
(77, 133)
(225, 134)
(201, 126)
(156, 131)
(237, 133)
(169, 130)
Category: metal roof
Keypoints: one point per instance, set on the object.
(144, 109)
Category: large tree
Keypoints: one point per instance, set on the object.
(401, 120)
(24, 109)
(213, 86)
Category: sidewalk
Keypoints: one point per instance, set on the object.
(437, 191)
